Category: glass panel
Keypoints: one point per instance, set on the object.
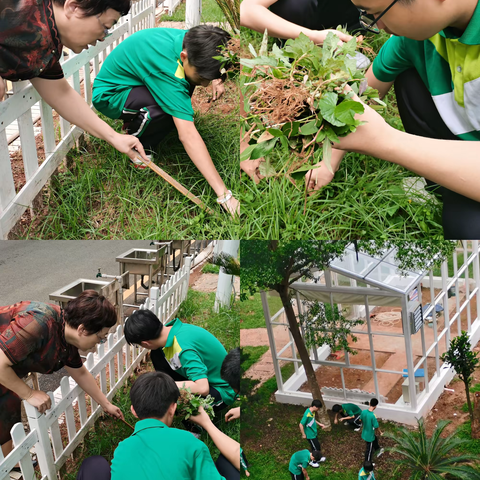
(388, 274)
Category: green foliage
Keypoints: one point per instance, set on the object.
(209, 268)
(435, 457)
(464, 361)
(231, 10)
(229, 263)
(324, 325)
(251, 310)
(472, 446)
(269, 265)
(251, 355)
(188, 404)
(296, 98)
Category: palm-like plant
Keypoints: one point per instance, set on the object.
(433, 458)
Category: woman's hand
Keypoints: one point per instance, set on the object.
(319, 36)
(40, 400)
(128, 144)
(114, 411)
(218, 88)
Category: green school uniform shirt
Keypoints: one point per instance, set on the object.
(149, 57)
(299, 459)
(155, 451)
(309, 424)
(363, 475)
(449, 65)
(369, 422)
(195, 353)
(351, 409)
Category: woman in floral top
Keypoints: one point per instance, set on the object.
(41, 337)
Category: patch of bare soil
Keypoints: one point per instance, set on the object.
(330, 376)
(226, 104)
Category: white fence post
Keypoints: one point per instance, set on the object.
(38, 422)
(193, 11)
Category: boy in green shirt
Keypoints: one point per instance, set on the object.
(299, 463)
(147, 81)
(366, 472)
(155, 450)
(349, 414)
(189, 354)
(308, 429)
(432, 57)
(369, 422)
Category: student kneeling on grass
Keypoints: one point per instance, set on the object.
(308, 429)
(299, 463)
(349, 414)
(147, 81)
(156, 451)
(189, 354)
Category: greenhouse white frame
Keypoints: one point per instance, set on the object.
(385, 287)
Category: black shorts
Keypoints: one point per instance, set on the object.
(297, 477)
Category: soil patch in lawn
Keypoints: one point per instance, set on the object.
(330, 376)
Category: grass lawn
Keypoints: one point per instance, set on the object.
(211, 12)
(102, 196)
(108, 432)
(368, 197)
(251, 311)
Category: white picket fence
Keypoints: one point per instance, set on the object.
(18, 108)
(171, 5)
(116, 361)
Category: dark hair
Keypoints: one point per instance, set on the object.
(337, 408)
(202, 43)
(317, 403)
(368, 466)
(142, 325)
(373, 402)
(152, 394)
(91, 310)
(317, 455)
(97, 7)
(230, 371)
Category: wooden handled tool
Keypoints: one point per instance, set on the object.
(126, 423)
(175, 184)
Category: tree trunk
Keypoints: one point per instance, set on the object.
(469, 402)
(476, 416)
(303, 352)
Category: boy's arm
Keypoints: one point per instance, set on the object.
(302, 431)
(199, 387)
(255, 14)
(382, 87)
(305, 473)
(198, 153)
(320, 424)
(450, 163)
(227, 446)
(73, 108)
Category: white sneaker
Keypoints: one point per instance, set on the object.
(314, 464)
(380, 452)
(357, 429)
(322, 459)
(139, 164)
(346, 424)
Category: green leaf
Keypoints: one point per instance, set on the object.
(345, 111)
(327, 155)
(264, 46)
(298, 174)
(330, 134)
(291, 129)
(263, 148)
(245, 155)
(327, 105)
(266, 169)
(275, 132)
(309, 128)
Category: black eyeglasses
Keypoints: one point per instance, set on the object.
(369, 22)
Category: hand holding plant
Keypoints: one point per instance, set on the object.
(189, 404)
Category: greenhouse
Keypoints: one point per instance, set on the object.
(408, 320)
